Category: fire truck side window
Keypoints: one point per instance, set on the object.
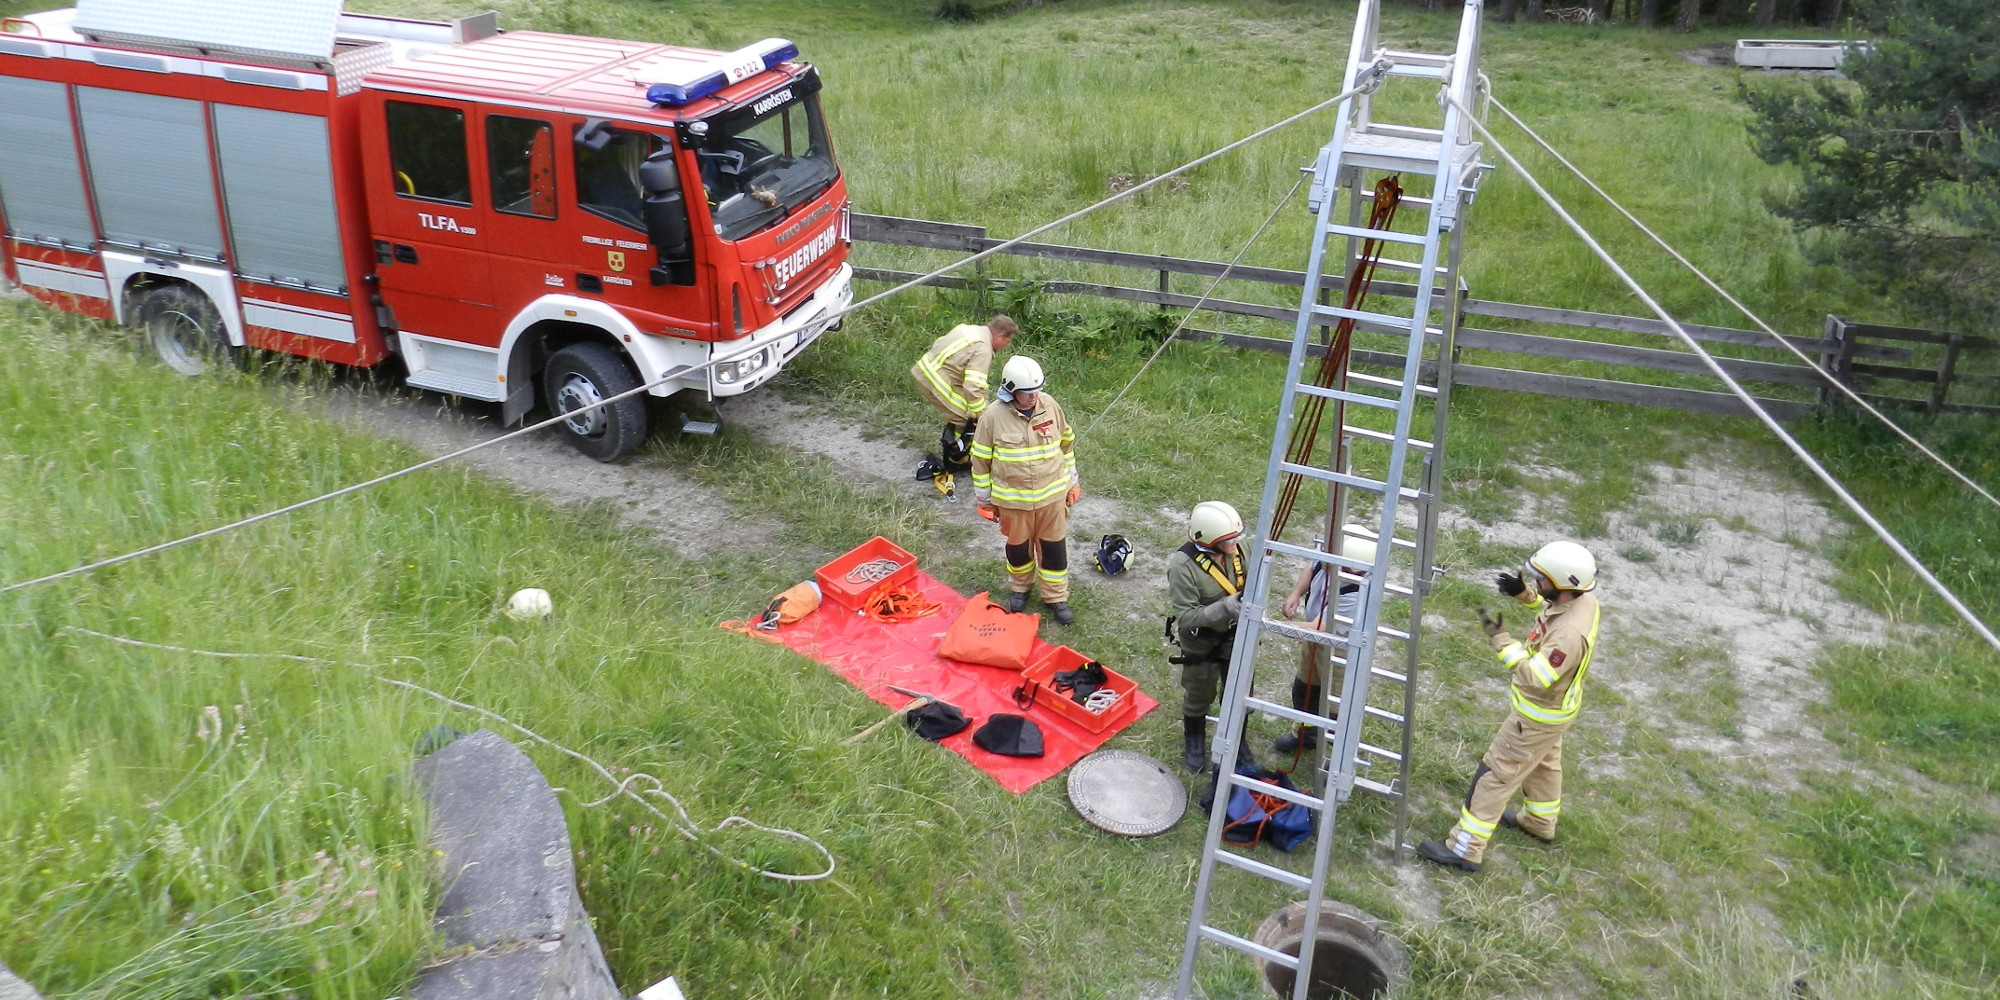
(427, 152)
(521, 154)
(607, 179)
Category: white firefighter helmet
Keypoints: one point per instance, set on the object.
(1566, 564)
(530, 604)
(1021, 374)
(1357, 543)
(1213, 522)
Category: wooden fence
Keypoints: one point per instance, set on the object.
(1851, 350)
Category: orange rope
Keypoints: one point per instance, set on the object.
(894, 605)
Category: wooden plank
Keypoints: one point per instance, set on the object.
(1911, 335)
(1893, 372)
(1918, 404)
(1880, 351)
(920, 233)
(1635, 324)
(1605, 390)
(1637, 357)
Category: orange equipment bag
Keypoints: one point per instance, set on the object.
(989, 634)
(796, 602)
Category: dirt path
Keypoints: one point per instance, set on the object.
(786, 422)
(678, 510)
(1717, 605)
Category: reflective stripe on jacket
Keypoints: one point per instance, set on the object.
(1550, 666)
(1024, 462)
(953, 372)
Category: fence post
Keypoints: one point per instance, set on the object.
(1944, 372)
(1836, 358)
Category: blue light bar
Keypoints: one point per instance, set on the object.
(723, 70)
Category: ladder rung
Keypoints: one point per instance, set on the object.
(1324, 475)
(1363, 316)
(1292, 795)
(1410, 265)
(1408, 201)
(1343, 394)
(1394, 633)
(1389, 755)
(1249, 947)
(1318, 555)
(1377, 787)
(1379, 381)
(1341, 661)
(1401, 56)
(1381, 713)
(1361, 233)
(1256, 867)
(1289, 714)
(1424, 72)
(1383, 436)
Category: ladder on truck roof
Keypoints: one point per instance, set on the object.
(1395, 470)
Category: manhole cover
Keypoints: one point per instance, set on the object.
(1126, 793)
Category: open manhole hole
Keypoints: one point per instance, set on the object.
(1353, 957)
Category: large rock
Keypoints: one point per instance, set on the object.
(12, 988)
(510, 903)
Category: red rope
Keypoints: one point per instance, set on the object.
(1333, 364)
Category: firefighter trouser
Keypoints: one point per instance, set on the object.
(1038, 549)
(1201, 682)
(1525, 756)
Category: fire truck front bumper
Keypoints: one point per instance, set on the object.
(757, 357)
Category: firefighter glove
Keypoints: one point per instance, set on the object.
(989, 512)
(1510, 585)
(1231, 606)
(1075, 493)
(1491, 623)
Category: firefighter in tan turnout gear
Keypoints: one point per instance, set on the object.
(1549, 668)
(952, 376)
(1205, 581)
(1024, 477)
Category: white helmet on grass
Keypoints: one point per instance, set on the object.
(1565, 564)
(1213, 522)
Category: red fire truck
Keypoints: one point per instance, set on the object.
(501, 212)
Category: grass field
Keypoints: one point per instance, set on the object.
(152, 848)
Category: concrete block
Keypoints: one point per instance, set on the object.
(510, 908)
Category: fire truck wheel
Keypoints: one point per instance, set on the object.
(186, 331)
(582, 374)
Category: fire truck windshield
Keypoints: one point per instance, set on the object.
(764, 161)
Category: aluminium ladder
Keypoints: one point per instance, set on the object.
(1402, 570)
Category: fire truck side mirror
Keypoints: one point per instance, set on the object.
(594, 134)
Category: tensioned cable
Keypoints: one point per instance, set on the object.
(1830, 378)
(1370, 80)
(1162, 349)
(1749, 401)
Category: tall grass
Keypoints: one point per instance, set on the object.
(149, 848)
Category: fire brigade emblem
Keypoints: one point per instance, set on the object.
(614, 259)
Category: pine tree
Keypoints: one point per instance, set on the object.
(1901, 160)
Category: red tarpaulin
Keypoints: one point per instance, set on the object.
(873, 655)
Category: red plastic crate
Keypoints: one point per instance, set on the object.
(832, 577)
(1041, 674)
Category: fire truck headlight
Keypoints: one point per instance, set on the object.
(731, 372)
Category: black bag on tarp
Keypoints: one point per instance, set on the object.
(1010, 736)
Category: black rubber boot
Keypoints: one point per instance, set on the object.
(1194, 742)
(1017, 602)
(1438, 854)
(1511, 819)
(1064, 615)
(1304, 699)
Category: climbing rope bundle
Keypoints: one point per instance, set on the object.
(895, 605)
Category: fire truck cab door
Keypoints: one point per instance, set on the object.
(430, 233)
